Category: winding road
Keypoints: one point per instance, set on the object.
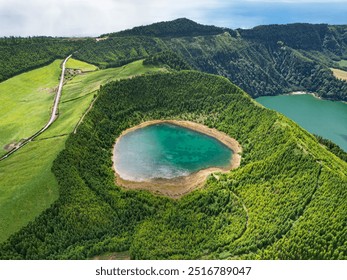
(54, 114)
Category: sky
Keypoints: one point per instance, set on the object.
(95, 17)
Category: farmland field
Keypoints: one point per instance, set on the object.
(27, 183)
(343, 63)
(25, 103)
(81, 65)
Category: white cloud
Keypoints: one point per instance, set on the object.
(94, 17)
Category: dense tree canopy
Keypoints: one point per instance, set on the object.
(287, 200)
(332, 147)
(176, 28)
(167, 59)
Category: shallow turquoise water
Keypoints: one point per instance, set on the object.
(167, 151)
(322, 117)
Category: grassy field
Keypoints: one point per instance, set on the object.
(25, 103)
(27, 185)
(340, 74)
(79, 92)
(343, 63)
(80, 65)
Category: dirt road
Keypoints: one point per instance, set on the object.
(53, 117)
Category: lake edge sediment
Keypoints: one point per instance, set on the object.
(179, 186)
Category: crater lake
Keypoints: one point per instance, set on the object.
(167, 151)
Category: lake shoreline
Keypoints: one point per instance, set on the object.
(304, 93)
(322, 117)
(312, 94)
(179, 186)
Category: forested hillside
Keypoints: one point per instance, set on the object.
(302, 36)
(176, 28)
(168, 59)
(23, 54)
(260, 69)
(332, 147)
(266, 60)
(118, 51)
(287, 200)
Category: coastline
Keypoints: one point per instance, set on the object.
(179, 186)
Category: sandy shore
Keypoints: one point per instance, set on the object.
(303, 93)
(298, 93)
(179, 186)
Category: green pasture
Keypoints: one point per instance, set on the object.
(25, 103)
(80, 65)
(27, 185)
(342, 63)
(79, 92)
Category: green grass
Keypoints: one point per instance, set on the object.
(81, 65)
(342, 63)
(25, 103)
(27, 185)
(79, 92)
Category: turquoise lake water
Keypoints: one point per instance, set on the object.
(322, 117)
(167, 151)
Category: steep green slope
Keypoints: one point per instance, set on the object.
(301, 36)
(169, 60)
(258, 68)
(266, 60)
(287, 200)
(118, 51)
(332, 147)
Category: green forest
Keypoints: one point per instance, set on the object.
(286, 201)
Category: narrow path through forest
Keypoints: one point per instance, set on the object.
(85, 113)
(247, 216)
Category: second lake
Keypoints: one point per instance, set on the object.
(322, 117)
